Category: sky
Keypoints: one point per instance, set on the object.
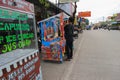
(100, 9)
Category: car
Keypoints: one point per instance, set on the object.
(114, 28)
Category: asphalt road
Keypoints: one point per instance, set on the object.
(96, 57)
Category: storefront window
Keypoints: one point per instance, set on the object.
(16, 31)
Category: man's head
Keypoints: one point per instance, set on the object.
(71, 19)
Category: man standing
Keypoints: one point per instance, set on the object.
(69, 38)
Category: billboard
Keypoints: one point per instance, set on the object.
(68, 1)
(84, 14)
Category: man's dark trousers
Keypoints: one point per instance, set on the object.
(69, 49)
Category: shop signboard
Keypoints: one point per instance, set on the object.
(84, 14)
(19, 57)
(16, 30)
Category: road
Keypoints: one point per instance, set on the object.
(96, 57)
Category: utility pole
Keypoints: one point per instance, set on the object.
(57, 4)
(75, 7)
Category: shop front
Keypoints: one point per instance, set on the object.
(19, 55)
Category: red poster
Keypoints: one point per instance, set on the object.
(28, 70)
(18, 5)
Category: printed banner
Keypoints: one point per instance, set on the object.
(17, 5)
(29, 69)
(68, 1)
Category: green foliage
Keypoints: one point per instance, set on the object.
(43, 2)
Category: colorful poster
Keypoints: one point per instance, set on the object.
(52, 37)
(49, 29)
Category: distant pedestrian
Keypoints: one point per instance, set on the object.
(69, 28)
(109, 28)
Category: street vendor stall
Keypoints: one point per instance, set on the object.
(52, 37)
(19, 56)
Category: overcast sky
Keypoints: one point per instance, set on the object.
(100, 9)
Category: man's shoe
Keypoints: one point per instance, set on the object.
(71, 58)
(67, 59)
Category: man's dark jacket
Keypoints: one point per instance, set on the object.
(69, 32)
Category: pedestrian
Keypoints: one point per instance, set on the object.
(69, 28)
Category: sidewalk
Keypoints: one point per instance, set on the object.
(60, 71)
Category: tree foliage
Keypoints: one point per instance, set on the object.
(45, 3)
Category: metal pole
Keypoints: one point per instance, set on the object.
(57, 4)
